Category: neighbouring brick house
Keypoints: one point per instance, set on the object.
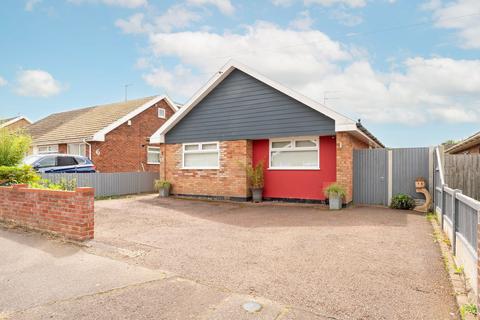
(470, 145)
(15, 123)
(114, 136)
(241, 117)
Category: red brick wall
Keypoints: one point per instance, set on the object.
(18, 125)
(125, 148)
(65, 213)
(346, 143)
(230, 181)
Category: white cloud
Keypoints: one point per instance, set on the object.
(118, 3)
(346, 18)
(419, 90)
(329, 3)
(460, 15)
(282, 3)
(225, 6)
(37, 83)
(325, 3)
(3, 82)
(303, 21)
(176, 17)
(30, 4)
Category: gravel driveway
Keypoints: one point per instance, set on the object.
(359, 263)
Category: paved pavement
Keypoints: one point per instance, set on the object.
(177, 259)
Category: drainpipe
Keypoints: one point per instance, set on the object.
(89, 149)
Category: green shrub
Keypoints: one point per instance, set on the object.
(255, 175)
(335, 191)
(402, 202)
(63, 184)
(14, 175)
(161, 184)
(14, 145)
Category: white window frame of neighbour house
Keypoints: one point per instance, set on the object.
(50, 148)
(201, 150)
(162, 113)
(78, 150)
(153, 150)
(292, 147)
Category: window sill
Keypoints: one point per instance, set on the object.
(153, 162)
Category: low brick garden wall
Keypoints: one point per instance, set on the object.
(65, 213)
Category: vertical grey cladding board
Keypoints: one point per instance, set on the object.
(370, 185)
(408, 164)
(110, 184)
(242, 107)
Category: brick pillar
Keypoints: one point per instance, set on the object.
(345, 164)
(346, 143)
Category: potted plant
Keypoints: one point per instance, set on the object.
(163, 187)
(335, 194)
(255, 176)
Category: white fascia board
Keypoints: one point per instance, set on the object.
(15, 120)
(100, 135)
(159, 135)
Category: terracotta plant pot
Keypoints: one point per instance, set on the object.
(257, 194)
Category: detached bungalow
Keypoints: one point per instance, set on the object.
(240, 117)
(114, 136)
(15, 123)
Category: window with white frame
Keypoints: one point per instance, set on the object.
(204, 155)
(52, 148)
(161, 113)
(153, 155)
(79, 149)
(294, 153)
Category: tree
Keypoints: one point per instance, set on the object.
(13, 146)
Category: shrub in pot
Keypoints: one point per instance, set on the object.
(402, 201)
(255, 176)
(163, 187)
(335, 194)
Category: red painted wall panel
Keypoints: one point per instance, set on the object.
(298, 184)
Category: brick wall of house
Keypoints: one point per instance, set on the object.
(22, 123)
(125, 148)
(346, 143)
(65, 213)
(230, 181)
(62, 148)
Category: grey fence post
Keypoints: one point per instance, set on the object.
(442, 203)
(454, 220)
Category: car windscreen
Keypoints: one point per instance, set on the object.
(30, 160)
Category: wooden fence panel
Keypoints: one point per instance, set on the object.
(462, 172)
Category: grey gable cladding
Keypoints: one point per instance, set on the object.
(242, 107)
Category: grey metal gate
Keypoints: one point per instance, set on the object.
(370, 176)
(378, 174)
(408, 164)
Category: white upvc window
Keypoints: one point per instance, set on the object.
(51, 148)
(162, 113)
(78, 149)
(300, 153)
(203, 155)
(153, 155)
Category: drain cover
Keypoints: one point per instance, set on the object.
(252, 306)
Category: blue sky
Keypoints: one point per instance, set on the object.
(409, 69)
